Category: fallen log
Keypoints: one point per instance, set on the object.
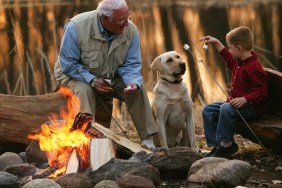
(23, 115)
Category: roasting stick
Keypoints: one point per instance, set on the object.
(187, 48)
(119, 139)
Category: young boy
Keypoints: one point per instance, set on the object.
(249, 90)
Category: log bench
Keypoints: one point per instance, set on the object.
(268, 128)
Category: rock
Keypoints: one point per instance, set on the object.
(42, 183)
(21, 170)
(173, 163)
(116, 168)
(131, 181)
(216, 173)
(9, 158)
(74, 180)
(8, 180)
(197, 165)
(35, 156)
(22, 155)
(106, 184)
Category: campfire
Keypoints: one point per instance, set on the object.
(73, 143)
(66, 141)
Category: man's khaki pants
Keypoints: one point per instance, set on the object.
(137, 104)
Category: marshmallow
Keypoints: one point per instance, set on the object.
(186, 47)
(128, 88)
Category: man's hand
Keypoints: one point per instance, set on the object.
(101, 86)
(238, 102)
(130, 89)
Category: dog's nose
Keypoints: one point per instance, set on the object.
(182, 66)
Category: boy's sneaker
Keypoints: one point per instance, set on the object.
(211, 152)
(226, 152)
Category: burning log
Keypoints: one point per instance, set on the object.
(102, 149)
(81, 121)
(66, 144)
(73, 163)
(47, 172)
(75, 144)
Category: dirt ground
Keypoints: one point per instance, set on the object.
(266, 170)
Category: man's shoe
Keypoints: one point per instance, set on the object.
(149, 142)
(226, 152)
(211, 152)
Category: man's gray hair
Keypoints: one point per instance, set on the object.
(106, 7)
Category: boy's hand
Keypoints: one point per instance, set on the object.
(238, 102)
(208, 39)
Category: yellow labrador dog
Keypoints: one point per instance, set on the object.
(172, 104)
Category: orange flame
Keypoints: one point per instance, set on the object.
(58, 141)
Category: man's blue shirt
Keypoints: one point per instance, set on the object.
(69, 57)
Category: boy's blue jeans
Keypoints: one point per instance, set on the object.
(220, 120)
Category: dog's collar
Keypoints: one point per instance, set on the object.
(174, 82)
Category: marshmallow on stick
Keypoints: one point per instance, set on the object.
(205, 46)
(186, 47)
(128, 88)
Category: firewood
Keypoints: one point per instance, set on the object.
(73, 163)
(47, 172)
(135, 147)
(101, 151)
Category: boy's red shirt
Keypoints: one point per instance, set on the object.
(248, 79)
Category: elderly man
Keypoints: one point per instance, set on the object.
(100, 56)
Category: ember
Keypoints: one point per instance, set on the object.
(60, 138)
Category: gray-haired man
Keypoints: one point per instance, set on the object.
(100, 55)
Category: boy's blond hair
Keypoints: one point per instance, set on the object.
(241, 36)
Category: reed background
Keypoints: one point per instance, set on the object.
(31, 30)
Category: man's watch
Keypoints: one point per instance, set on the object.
(92, 83)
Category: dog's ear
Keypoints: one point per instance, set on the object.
(156, 65)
